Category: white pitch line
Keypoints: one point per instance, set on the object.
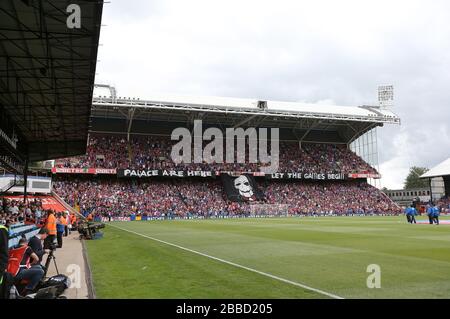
(235, 265)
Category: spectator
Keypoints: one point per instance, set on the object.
(38, 216)
(60, 227)
(30, 271)
(36, 244)
(68, 223)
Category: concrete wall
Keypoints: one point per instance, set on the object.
(36, 184)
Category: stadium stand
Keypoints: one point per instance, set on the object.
(13, 212)
(190, 197)
(25, 219)
(444, 203)
(200, 198)
(337, 198)
(153, 152)
(131, 134)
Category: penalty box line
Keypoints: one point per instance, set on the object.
(236, 265)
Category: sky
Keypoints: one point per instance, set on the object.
(310, 51)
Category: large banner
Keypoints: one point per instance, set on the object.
(308, 176)
(162, 172)
(242, 188)
(194, 173)
(83, 170)
(364, 175)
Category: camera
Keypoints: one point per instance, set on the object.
(50, 245)
(90, 230)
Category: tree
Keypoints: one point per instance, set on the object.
(413, 180)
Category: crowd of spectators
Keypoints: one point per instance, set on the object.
(338, 198)
(444, 203)
(14, 211)
(102, 197)
(102, 151)
(153, 152)
(15, 214)
(28, 234)
(177, 197)
(194, 197)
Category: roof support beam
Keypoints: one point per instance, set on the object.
(130, 121)
(248, 119)
(313, 124)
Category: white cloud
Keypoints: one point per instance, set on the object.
(396, 168)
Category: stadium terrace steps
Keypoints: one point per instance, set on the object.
(62, 202)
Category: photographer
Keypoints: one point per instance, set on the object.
(32, 271)
(36, 244)
(73, 220)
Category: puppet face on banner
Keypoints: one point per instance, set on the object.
(243, 185)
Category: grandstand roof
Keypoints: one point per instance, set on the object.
(370, 113)
(442, 169)
(47, 75)
(306, 121)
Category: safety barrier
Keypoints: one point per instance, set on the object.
(16, 232)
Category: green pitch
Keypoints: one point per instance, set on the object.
(330, 255)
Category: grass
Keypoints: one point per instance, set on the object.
(330, 254)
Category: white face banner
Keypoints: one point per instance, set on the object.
(242, 188)
(242, 184)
